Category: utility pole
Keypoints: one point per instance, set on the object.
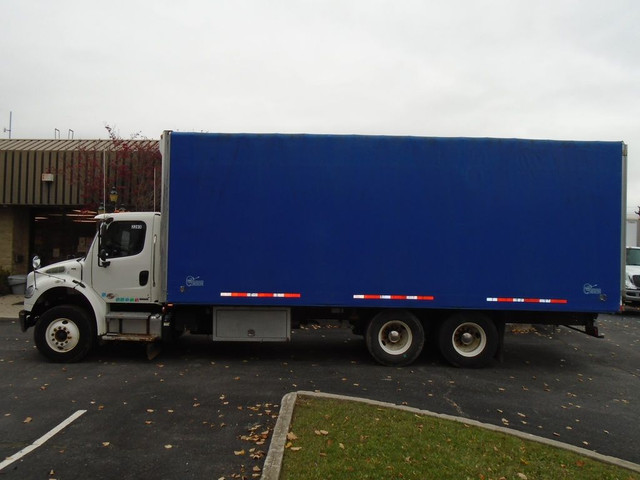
(10, 121)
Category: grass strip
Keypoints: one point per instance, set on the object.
(338, 439)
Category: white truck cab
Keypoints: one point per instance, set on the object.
(111, 294)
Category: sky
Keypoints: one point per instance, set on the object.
(543, 69)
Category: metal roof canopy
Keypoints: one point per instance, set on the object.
(36, 145)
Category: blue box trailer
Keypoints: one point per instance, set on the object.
(414, 230)
(406, 238)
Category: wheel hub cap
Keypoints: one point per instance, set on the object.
(394, 336)
(466, 338)
(61, 335)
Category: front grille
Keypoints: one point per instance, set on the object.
(636, 280)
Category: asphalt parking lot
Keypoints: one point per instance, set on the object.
(204, 410)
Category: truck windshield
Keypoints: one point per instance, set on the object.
(633, 256)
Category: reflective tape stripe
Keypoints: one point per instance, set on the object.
(260, 295)
(526, 300)
(393, 297)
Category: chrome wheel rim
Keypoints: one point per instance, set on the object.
(469, 339)
(395, 337)
(62, 335)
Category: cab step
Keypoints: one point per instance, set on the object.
(133, 326)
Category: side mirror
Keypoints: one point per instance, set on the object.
(103, 255)
(36, 262)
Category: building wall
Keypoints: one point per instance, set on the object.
(21, 221)
(43, 179)
(14, 239)
(6, 238)
(633, 232)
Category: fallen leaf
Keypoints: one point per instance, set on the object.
(106, 444)
(27, 420)
(292, 436)
(295, 449)
(522, 476)
(238, 453)
(168, 447)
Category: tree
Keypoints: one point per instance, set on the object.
(130, 168)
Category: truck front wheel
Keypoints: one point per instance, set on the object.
(64, 334)
(395, 338)
(468, 339)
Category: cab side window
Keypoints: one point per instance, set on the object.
(124, 239)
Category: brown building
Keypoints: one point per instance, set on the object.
(50, 190)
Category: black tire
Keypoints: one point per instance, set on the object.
(468, 339)
(395, 338)
(65, 334)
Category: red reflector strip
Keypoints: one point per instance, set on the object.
(393, 297)
(526, 300)
(259, 295)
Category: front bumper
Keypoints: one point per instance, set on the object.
(26, 320)
(631, 295)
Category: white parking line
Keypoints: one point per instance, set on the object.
(42, 440)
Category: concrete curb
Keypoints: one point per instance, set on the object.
(273, 462)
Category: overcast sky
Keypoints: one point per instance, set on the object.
(552, 69)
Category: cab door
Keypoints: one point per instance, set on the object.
(122, 268)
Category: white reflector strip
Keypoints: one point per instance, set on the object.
(259, 295)
(526, 300)
(393, 297)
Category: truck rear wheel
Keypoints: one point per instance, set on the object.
(395, 338)
(64, 334)
(468, 339)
